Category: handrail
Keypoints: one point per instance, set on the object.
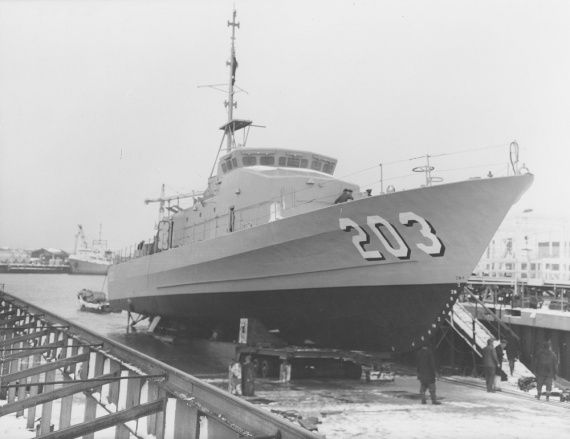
(492, 313)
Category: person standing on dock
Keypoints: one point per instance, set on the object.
(490, 363)
(512, 351)
(545, 369)
(248, 377)
(500, 349)
(426, 373)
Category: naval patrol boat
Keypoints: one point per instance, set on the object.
(267, 241)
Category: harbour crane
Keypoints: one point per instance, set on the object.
(80, 235)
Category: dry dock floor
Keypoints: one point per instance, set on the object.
(379, 409)
(355, 409)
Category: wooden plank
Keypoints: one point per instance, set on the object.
(67, 401)
(55, 394)
(21, 328)
(9, 313)
(9, 321)
(114, 366)
(14, 367)
(186, 425)
(160, 416)
(5, 366)
(152, 396)
(24, 363)
(220, 431)
(104, 422)
(133, 399)
(26, 353)
(42, 368)
(24, 338)
(91, 403)
(33, 392)
(47, 406)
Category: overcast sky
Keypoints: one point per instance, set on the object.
(100, 101)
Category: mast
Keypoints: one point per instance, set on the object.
(233, 66)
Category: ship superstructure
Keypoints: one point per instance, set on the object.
(89, 259)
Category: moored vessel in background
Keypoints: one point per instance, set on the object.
(269, 239)
(86, 259)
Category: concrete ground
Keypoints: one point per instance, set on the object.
(356, 409)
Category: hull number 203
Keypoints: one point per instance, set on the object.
(391, 240)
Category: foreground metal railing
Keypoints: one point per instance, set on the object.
(50, 365)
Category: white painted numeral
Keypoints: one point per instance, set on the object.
(376, 224)
(436, 248)
(360, 240)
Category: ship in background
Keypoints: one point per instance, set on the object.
(267, 240)
(89, 259)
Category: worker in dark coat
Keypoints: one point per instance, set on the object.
(248, 377)
(490, 364)
(426, 373)
(513, 352)
(345, 196)
(500, 349)
(546, 364)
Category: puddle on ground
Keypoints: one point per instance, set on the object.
(402, 394)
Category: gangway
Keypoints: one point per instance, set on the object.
(469, 328)
(50, 365)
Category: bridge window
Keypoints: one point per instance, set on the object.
(249, 161)
(304, 163)
(267, 160)
(224, 168)
(316, 165)
(282, 161)
(229, 165)
(293, 162)
(328, 168)
(234, 162)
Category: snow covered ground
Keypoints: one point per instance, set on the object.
(356, 409)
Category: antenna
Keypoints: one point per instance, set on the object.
(233, 67)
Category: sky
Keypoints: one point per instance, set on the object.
(101, 101)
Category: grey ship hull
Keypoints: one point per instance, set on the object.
(327, 275)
